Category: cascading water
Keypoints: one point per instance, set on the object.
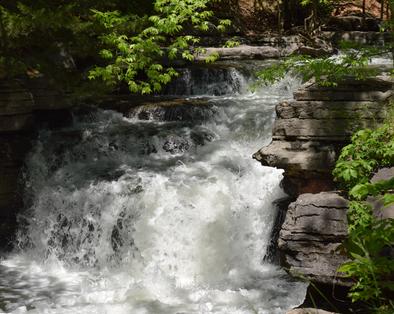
(140, 215)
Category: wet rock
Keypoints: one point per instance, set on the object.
(13, 149)
(314, 228)
(175, 144)
(173, 110)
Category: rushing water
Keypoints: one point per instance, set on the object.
(163, 211)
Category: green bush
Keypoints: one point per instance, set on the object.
(371, 269)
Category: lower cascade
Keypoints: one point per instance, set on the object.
(139, 214)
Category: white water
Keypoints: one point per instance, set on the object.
(147, 216)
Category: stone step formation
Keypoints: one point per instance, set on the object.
(308, 135)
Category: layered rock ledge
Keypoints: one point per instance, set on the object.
(311, 235)
(308, 134)
(310, 130)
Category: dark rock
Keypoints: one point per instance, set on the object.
(173, 110)
(315, 52)
(175, 144)
(314, 228)
(352, 23)
(13, 149)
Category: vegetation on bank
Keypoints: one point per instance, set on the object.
(370, 243)
(97, 45)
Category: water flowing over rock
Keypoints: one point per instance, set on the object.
(156, 210)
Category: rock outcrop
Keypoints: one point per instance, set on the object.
(22, 104)
(310, 130)
(22, 110)
(314, 228)
(308, 134)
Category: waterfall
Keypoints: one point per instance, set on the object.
(161, 211)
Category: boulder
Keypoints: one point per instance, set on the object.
(312, 233)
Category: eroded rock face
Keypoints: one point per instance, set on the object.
(313, 230)
(22, 110)
(308, 134)
(310, 131)
(13, 148)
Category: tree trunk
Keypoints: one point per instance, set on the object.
(382, 9)
(287, 16)
(279, 18)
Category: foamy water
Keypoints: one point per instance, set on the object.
(151, 216)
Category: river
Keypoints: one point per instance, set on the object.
(159, 211)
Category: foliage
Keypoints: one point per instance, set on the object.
(138, 60)
(129, 41)
(352, 62)
(369, 237)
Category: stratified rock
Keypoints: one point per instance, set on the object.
(18, 104)
(310, 131)
(330, 110)
(306, 164)
(372, 89)
(314, 228)
(242, 52)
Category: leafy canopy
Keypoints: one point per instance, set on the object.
(115, 41)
